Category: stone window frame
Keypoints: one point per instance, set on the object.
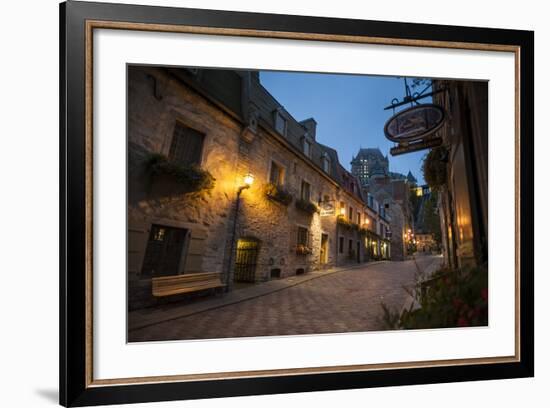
(306, 227)
(305, 180)
(282, 166)
(167, 132)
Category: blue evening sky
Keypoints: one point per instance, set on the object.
(349, 110)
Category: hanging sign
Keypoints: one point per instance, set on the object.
(403, 148)
(414, 123)
(327, 208)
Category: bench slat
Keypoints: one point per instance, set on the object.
(172, 285)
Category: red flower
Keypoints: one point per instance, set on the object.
(484, 294)
(462, 322)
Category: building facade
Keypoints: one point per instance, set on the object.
(221, 178)
(463, 199)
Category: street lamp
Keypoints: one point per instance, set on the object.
(248, 179)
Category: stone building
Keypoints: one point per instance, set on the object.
(368, 162)
(394, 196)
(463, 199)
(222, 179)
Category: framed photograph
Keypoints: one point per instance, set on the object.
(257, 204)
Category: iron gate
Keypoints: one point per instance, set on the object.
(246, 260)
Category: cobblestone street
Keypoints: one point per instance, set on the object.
(345, 301)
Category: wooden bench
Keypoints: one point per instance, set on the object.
(186, 283)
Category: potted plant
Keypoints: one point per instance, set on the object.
(278, 194)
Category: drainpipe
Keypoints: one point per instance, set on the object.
(233, 237)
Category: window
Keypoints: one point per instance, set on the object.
(307, 148)
(302, 236)
(276, 175)
(305, 192)
(280, 123)
(341, 245)
(164, 251)
(326, 164)
(350, 246)
(186, 146)
(350, 215)
(359, 218)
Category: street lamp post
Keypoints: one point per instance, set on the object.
(248, 180)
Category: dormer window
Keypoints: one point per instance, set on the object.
(306, 145)
(325, 161)
(279, 122)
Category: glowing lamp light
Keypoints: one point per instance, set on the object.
(342, 211)
(248, 180)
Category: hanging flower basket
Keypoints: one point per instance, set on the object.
(306, 206)
(303, 250)
(278, 194)
(191, 178)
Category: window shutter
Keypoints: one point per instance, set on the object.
(186, 146)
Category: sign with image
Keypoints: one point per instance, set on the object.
(327, 208)
(414, 123)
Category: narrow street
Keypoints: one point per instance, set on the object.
(345, 301)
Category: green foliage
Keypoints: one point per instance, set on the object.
(193, 178)
(390, 318)
(451, 298)
(278, 193)
(344, 222)
(307, 206)
(434, 168)
(431, 217)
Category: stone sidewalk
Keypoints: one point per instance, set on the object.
(139, 319)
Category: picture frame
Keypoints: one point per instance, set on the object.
(78, 385)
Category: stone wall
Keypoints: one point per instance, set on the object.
(157, 100)
(207, 216)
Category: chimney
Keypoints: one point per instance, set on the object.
(311, 126)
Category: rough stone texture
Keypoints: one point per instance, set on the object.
(230, 151)
(275, 224)
(207, 215)
(347, 301)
